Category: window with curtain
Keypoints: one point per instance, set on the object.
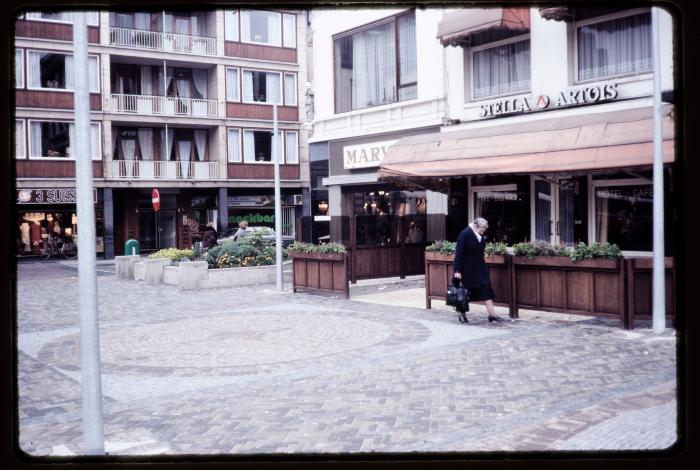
(48, 70)
(261, 27)
(290, 89)
(261, 87)
(232, 88)
(365, 65)
(292, 148)
(289, 27)
(19, 68)
(501, 70)
(52, 139)
(615, 47)
(19, 139)
(257, 146)
(231, 25)
(624, 216)
(234, 146)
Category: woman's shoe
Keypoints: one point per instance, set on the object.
(496, 319)
(463, 318)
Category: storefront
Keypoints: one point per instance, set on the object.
(257, 207)
(563, 180)
(47, 216)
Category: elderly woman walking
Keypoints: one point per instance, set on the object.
(470, 266)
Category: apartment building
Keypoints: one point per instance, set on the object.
(181, 102)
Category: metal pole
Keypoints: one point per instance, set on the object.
(278, 202)
(165, 107)
(87, 275)
(659, 283)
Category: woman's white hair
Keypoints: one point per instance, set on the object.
(480, 222)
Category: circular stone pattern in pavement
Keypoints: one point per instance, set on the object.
(238, 340)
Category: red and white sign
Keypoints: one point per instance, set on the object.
(155, 199)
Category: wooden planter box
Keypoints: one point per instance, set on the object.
(590, 287)
(320, 272)
(640, 287)
(438, 276)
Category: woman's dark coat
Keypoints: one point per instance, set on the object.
(469, 260)
(209, 238)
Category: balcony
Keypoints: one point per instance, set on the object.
(160, 170)
(168, 42)
(161, 105)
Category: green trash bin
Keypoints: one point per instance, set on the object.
(131, 247)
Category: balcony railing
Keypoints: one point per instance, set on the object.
(170, 106)
(141, 39)
(159, 170)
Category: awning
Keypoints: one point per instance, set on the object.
(557, 13)
(456, 28)
(571, 144)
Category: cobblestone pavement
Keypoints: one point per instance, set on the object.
(259, 371)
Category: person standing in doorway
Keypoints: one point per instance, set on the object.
(470, 266)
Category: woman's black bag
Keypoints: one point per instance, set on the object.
(458, 296)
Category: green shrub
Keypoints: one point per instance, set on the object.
(231, 254)
(499, 248)
(595, 250)
(172, 253)
(579, 252)
(442, 246)
(302, 247)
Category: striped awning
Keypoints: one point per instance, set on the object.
(456, 28)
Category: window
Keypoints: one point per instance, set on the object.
(290, 89)
(614, 47)
(261, 27)
(232, 88)
(231, 25)
(52, 139)
(507, 209)
(19, 139)
(19, 68)
(292, 147)
(501, 70)
(624, 216)
(93, 17)
(257, 146)
(263, 87)
(48, 70)
(234, 146)
(289, 28)
(365, 64)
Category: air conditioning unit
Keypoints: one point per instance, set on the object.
(296, 199)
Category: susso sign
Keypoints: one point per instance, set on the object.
(365, 155)
(576, 96)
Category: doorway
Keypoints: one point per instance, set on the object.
(157, 231)
(558, 210)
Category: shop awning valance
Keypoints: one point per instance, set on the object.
(456, 28)
(572, 144)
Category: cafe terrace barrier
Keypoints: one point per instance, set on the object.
(320, 272)
(611, 288)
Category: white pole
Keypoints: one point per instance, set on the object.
(165, 105)
(278, 202)
(659, 283)
(87, 275)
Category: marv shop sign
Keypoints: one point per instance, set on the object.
(571, 97)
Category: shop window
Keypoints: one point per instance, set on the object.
(292, 147)
(19, 68)
(507, 210)
(261, 27)
(54, 71)
(501, 70)
(290, 89)
(290, 30)
(232, 87)
(257, 147)
(613, 47)
(19, 139)
(262, 87)
(231, 25)
(372, 68)
(624, 216)
(53, 140)
(234, 146)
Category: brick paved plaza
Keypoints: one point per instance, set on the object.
(246, 371)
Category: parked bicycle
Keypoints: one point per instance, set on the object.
(55, 246)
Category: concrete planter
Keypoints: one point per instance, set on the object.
(237, 277)
(196, 275)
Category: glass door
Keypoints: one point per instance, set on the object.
(167, 230)
(544, 211)
(555, 210)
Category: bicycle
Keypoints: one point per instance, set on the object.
(53, 246)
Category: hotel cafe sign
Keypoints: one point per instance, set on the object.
(365, 155)
(571, 97)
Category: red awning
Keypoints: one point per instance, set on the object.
(456, 28)
(572, 144)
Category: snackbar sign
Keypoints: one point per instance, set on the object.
(578, 96)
